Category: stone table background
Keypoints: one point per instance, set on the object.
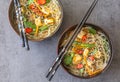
(19, 65)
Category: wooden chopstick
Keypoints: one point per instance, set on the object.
(20, 24)
(53, 69)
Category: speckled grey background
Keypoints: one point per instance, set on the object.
(19, 65)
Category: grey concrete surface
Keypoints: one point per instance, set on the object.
(19, 65)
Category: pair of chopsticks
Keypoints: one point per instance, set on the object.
(20, 24)
(52, 70)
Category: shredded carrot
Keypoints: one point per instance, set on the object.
(37, 30)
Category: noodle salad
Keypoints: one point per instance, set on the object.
(89, 53)
(41, 17)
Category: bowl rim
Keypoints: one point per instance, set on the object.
(111, 48)
(37, 40)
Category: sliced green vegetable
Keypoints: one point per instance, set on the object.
(43, 28)
(72, 54)
(47, 1)
(76, 43)
(29, 24)
(30, 2)
(84, 45)
(67, 60)
(87, 45)
(82, 70)
(93, 31)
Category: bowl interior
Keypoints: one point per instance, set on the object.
(12, 19)
(67, 31)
